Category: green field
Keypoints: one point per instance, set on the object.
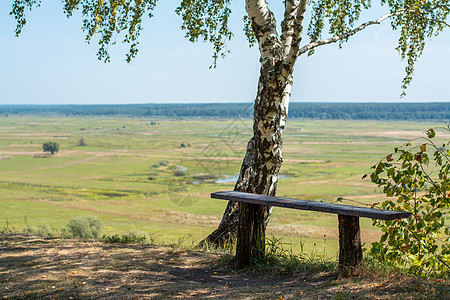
(155, 175)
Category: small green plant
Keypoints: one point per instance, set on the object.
(51, 147)
(131, 238)
(7, 228)
(415, 179)
(40, 230)
(84, 227)
(44, 230)
(82, 142)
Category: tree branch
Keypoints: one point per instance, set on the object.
(346, 35)
(287, 26)
(439, 21)
(298, 31)
(265, 28)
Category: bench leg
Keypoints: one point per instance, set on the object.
(350, 253)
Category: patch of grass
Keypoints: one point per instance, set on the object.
(279, 259)
(131, 238)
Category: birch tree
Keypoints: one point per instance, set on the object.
(331, 22)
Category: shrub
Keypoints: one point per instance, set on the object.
(51, 147)
(415, 178)
(82, 142)
(84, 227)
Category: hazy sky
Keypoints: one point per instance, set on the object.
(51, 64)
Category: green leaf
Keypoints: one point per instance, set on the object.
(431, 133)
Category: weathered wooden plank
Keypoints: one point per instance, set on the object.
(340, 209)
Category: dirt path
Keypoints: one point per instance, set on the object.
(41, 268)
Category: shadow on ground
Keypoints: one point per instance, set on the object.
(34, 267)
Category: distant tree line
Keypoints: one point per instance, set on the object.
(347, 111)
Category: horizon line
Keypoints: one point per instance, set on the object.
(203, 103)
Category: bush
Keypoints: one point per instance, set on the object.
(415, 179)
(51, 147)
(84, 227)
(178, 173)
(82, 142)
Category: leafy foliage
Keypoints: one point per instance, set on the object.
(208, 20)
(84, 227)
(340, 15)
(415, 178)
(248, 31)
(108, 19)
(416, 21)
(51, 147)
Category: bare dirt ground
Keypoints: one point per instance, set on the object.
(34, 267)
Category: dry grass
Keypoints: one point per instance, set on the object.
(33, 267)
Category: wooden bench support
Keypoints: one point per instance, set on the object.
(350, 251)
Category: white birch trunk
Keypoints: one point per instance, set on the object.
(263, 159)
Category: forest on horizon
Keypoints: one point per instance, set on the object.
(435, 111)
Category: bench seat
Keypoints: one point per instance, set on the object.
(332, 208)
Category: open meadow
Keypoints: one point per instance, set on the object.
(154, 176)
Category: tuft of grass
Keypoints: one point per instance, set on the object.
(132, 238)
(280, 259)
(7, 228)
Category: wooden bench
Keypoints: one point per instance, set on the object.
(350, 252)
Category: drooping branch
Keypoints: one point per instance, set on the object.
(207, 20)
(102, 19)
(346, 35)
(439, 21)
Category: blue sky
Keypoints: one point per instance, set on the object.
(51, 64)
